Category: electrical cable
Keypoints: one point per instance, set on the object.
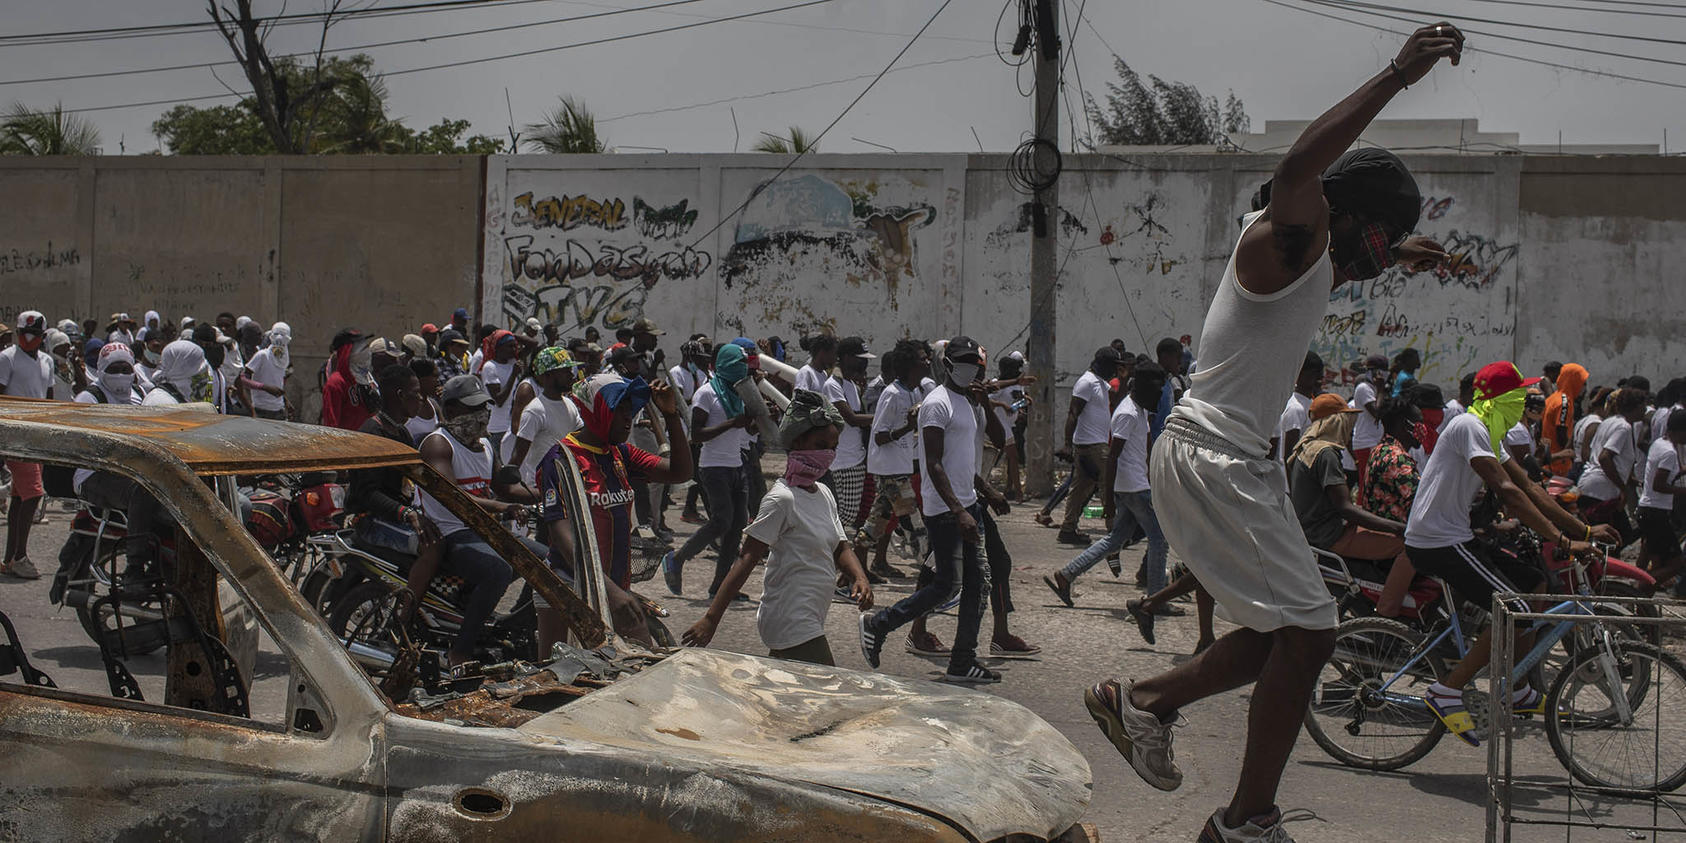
(501, 57)
(1359, 5)
(1484, 50)
(1560, 7)
(352, 49)
(817, 138)
(1025, 58)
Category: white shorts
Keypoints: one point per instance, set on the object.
(1229, 521)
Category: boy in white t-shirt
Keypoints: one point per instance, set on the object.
(1659, 484)
(798, 526)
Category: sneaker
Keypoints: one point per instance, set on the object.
(23, 569)
(1143, 619)
(1261, 829)
(946, 607)
(1013, 647)
(930, 645)
(841, 594)
(872, 643)
(1451, 713)
(887, 571)
(672, 574)
(1529, 706)
(974, 674)
(1061, 589)
(1140, 737)
(1072, 537)
(692, 518)
(1116, 565)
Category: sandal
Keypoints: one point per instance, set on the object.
(1044, 519)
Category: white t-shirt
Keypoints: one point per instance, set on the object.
(1092, 423)
(543, 422)
(1008, 395)
(895, 456)
(851, 441)
(1448, 486)
(962, 439)
(1368, 430)
(811, 379)
(1581, 424)
(495, 375)
(1614, 435)
(725, 450)
(685, 383)
(24, 376)
(1452, 410)
(1663, 456)
(1296, 416)
(267, 370)
(801, 528)
(1129, 423)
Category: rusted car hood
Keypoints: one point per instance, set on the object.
(985, 764)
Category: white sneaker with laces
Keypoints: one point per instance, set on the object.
(1248, 832)
(1139, 736)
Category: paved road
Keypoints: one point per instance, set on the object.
(1441, 798)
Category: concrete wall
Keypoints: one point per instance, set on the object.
(384, 243)
(1565, 258)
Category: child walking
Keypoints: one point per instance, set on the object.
(797, 525)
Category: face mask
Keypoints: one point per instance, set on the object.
(361, 362)
(805, 468)
(469, 428)
(215, 354)
(117, 386)
(1365, 254)
(964, 373)
(150, 356)
(30, 342)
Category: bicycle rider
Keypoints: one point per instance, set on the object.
(1440, 540)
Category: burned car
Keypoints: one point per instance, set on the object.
(602, 741)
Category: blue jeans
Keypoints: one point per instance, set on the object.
(954, 558)
(467, 555)
(1129, 509)
(726, 495)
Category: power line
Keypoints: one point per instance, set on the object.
(1561, 7)
(1490, 52)
(809, 87)
(485, 59)
(1356, 7)
(838, 119)
(354, 49)
(162, 29)
(1420, 14)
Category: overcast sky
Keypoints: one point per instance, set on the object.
(1285, 64)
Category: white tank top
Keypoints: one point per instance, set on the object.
(1251, 349)
(474, 476)
(420, 427)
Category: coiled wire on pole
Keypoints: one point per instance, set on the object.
(1034, 166)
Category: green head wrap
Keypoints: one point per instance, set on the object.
(1500, 413)
(807, 411)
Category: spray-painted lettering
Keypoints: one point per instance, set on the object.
(622, 263)
(568, 212)
(22, 260)
(663, 223)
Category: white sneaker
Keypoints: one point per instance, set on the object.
(1249, 832)
(1140, 737)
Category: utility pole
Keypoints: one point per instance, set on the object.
(1046, 426)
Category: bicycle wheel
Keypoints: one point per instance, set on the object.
(1643, 754)
(1361, 718)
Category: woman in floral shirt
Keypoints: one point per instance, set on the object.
(1389, 487)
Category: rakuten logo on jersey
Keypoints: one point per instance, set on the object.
(610, 500)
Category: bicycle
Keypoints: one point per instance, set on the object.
(1368, 708)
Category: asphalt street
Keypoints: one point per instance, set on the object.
(1441, 798)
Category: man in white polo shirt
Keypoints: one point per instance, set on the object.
(1088, 425)
(26, 372)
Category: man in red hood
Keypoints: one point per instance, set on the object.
(346, 396)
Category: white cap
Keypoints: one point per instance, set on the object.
(1014, 355)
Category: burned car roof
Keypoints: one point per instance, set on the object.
(212, 444)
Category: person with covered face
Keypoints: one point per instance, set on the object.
(548, 412)
(721, 422)
(182, 377)
(500, 368)
(263, 380)
(26, 371)
(1327, 217)
(1440, 539)
(797, 526)
(348, 399)
(607, 466)
(1558, 425)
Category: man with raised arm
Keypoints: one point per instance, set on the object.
(1328, 217)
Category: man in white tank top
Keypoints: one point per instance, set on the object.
(1326, 218)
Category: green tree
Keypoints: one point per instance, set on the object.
(795, 141)
(26, 131)
(347, 117)
(1161, 113)
(569, 128)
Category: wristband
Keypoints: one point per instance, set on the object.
(1398, 73)
(1588, 533)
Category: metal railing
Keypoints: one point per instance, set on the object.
(1606, 647)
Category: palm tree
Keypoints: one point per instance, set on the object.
(26, 131)
(797, 141)
(362, 125)
(569, 129)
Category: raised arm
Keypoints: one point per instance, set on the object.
(1294, 231)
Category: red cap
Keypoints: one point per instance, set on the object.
(430, 328)
(1496, 379)
(1326, 405)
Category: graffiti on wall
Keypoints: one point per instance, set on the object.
(589, 259)
(810, 225)
(1458, 316)
(29, 264)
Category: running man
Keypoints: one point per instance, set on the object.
(1327, 218)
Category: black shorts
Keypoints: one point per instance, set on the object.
(1656, 527)
(1474, 574)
